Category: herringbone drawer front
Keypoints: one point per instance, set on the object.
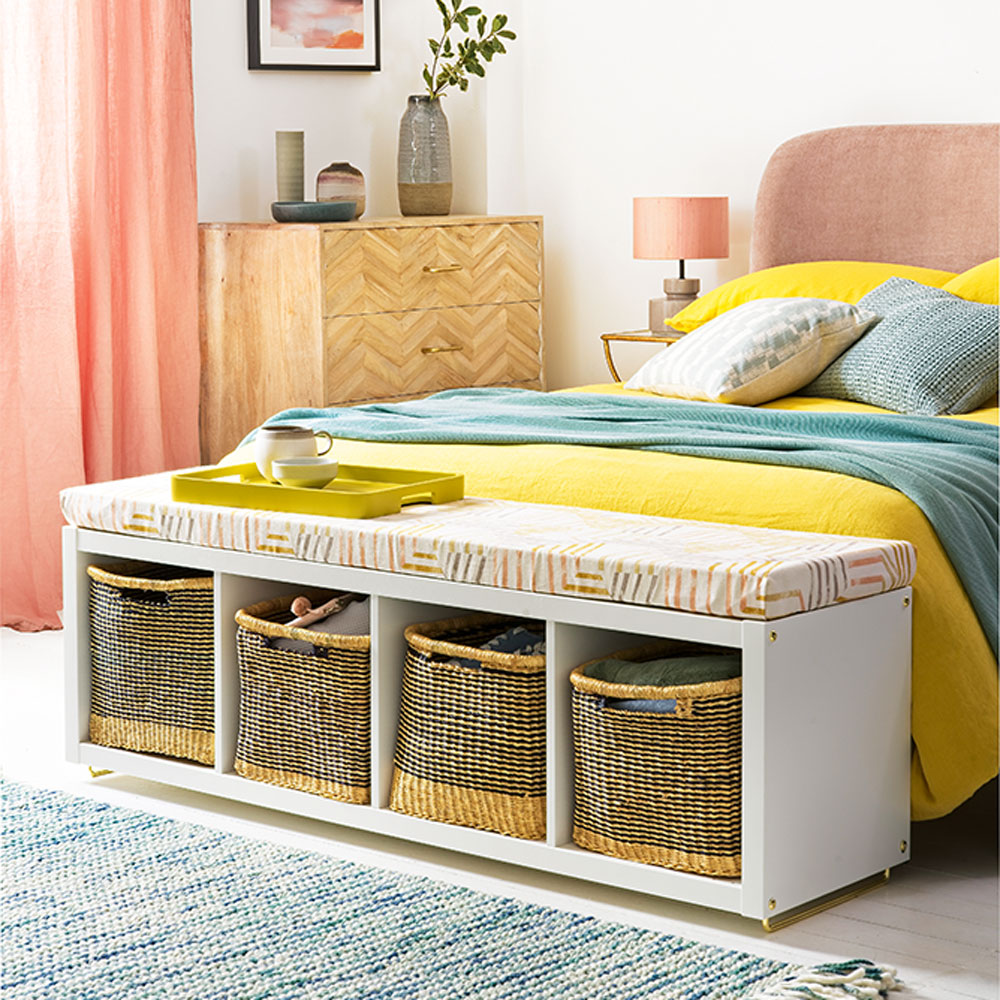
(422, 351)
(388, 269)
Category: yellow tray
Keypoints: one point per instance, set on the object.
(358, 490)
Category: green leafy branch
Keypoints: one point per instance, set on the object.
(453, 65)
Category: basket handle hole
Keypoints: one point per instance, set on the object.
(270, 642)
(145, 596)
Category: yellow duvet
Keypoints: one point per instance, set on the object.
(954, 672)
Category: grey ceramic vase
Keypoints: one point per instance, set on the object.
(424, 166)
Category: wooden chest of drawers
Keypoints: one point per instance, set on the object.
(314, 315)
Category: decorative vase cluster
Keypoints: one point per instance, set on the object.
(424, 162)
(340, 187)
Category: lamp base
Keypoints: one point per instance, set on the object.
(680, 292)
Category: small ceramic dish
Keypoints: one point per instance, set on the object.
(310, 471)
(313, 211)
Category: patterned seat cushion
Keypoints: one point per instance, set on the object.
(756, 352)
(931, 353)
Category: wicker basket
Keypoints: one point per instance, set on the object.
(663, 789)
(305, 717)
(471, 742)
(152, 660)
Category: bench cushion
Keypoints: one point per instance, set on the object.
(724, 570)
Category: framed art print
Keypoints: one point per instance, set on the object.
(313, 34)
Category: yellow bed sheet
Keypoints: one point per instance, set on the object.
(954, 673)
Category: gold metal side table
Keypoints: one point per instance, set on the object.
(637, 336)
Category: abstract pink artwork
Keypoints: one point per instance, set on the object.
(318, 24)
(313, 34)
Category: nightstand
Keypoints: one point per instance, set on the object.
(638, 336)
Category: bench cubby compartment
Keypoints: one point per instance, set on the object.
(151, 659)
(305, 711)
(801, 758)
(470, 748)
(661, 787)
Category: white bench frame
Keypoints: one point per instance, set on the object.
(826, 721)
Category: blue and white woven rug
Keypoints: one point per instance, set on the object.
(102, 902)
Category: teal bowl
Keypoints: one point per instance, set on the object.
(313, 211)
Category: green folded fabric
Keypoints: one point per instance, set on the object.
(667, 672)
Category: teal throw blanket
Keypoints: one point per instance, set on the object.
(948, 468)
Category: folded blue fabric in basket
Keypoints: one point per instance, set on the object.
(517, 640)
(662, 706)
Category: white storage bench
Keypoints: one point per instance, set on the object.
(822, 623)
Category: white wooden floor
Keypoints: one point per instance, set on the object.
(936, 921)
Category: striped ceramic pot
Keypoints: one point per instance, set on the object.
(342, 182)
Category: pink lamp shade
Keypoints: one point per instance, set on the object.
(680, 228)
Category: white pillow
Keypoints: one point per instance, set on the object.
(758, 351)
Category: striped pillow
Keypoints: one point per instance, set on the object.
(758, 351)
(931, 353)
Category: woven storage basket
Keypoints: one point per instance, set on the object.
(471, 742)
(152, 660)
(305, 717)
(663, 789)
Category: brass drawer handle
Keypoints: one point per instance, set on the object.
(441, 268)
(442, 350)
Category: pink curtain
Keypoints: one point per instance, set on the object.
(98, 267)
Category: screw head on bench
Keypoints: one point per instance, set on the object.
(906, 602)
(902, 847)
(772, 903)
(773, 637)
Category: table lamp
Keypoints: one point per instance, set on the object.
(678, 229)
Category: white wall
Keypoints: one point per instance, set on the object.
(345, 115)
(654, 97)
(596, 104)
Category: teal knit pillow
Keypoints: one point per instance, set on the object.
(931, 353)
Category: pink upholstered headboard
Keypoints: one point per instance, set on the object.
(904, 194)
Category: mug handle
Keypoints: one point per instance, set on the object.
(329, 440)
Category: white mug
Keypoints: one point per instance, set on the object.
(285, 441)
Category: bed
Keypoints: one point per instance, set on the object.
(920, 195)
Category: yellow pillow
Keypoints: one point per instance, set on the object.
(978, 284)
(844, 280)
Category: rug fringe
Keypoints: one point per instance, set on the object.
(857, 977)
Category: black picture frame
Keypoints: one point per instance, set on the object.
(262, 54)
